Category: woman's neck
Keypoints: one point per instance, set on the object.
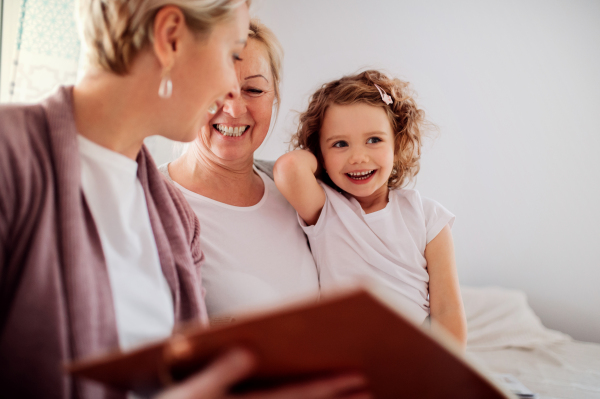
(113, 111)
(230, 182)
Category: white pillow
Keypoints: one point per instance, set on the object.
(500, 318)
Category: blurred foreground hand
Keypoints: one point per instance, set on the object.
(214, 382)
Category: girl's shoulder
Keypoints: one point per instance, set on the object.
(434, 215)
(407, 197)
(412, 198)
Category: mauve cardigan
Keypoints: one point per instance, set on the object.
(55, 295)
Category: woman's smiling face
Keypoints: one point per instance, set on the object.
(240, 127)
(205, 73)
(357, 144)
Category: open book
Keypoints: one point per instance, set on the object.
(355, 330)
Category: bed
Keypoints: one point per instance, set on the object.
(506, 337)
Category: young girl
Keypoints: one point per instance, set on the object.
(357, 145)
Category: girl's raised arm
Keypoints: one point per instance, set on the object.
(445, 301)
(294, 175)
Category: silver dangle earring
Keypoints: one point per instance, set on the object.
(166, 85)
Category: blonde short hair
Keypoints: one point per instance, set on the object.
(264, 35)
(114, 31)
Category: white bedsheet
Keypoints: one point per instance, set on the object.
(505, 336)
(566, 370)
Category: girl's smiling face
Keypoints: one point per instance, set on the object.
(357, 144)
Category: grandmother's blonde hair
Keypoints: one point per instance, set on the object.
(114, 31)
(264, 35)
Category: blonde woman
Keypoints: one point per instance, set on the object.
(97, 250)
(256, 253)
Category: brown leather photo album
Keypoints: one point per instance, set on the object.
(355, 330)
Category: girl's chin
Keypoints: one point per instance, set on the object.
(361, 190)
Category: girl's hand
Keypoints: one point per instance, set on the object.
(294, 175)
(215, 381)
(445, 301)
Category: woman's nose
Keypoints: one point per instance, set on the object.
(234, 104)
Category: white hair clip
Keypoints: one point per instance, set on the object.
(384, 96)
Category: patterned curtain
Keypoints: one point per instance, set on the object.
(48, 49)
(48, 55)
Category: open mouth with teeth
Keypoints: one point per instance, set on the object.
(231, 131)
(364, 175)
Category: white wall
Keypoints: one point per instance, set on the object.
(514, 87)
(10, 26)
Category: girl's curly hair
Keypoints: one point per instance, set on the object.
(407, 120)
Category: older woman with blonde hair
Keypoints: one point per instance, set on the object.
(256, 254)
(97, 250)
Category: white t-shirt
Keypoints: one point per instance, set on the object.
(141, 295)
(256, 256)
(387, 246)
